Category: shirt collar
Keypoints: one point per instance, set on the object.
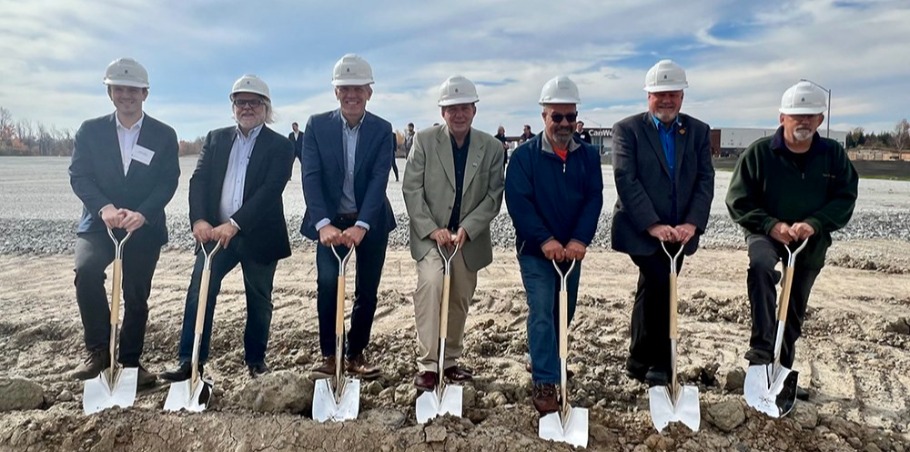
(356, 127)
(254, 132)
(137, 125)
(660, 125)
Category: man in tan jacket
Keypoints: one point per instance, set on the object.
(452, 187)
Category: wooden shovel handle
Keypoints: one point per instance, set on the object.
(444, 307)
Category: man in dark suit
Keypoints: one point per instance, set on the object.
(346, 162)
(124, 170)
(235, 199)
(665, 182)
(296, 137)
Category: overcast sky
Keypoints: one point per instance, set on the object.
(739, 55)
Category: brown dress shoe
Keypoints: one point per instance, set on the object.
(458, 373)
(324, 370)
(544, 398)
(358, 365)
(425, 380)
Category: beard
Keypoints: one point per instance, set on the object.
(802, 134)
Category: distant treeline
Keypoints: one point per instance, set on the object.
(24, 137)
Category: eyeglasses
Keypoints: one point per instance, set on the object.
(252, 103)
(558, 117)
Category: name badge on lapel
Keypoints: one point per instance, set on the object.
(143, 154)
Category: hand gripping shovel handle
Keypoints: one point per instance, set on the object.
(201, 305)
(564, 332)
(339, 320)
(116, 288)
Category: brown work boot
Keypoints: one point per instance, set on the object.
(358, 365)
(544, 398)
(324, 370)
(94, 363)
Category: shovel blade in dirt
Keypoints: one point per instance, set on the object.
(183, 395)
(99, 392)
(769, 390)
(571, 427)
(665, 410)
(430, 404)
(327, 408)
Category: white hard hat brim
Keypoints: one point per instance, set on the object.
(353, 82)
(243, 90)
(803, 110)
(459, 101)
(665, 88)
(559, 102)
(130, 83)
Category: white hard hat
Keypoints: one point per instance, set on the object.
(665, 76)
(351, 69)
(457, 90)
(126, 72)
(803, 98)
(250, 84)
(559, 90)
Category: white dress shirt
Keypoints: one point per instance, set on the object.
(128, 138)
(235, 177)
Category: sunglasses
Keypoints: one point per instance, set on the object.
(558, 117)
(252, 103)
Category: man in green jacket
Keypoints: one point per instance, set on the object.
(790, 187)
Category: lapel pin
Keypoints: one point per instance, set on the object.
(682, 131)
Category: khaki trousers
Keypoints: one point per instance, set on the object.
(427, 303)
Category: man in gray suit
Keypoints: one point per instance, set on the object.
(452, 188)
(665, 182)
(124, 170)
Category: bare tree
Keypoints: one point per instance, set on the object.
(901, 134)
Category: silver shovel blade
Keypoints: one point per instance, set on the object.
(430, 405)
(100, 394)
(324, 406)
(665, 410)
(182, 395)
(573, 431)
(769, 390)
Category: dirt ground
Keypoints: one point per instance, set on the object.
(853, 358)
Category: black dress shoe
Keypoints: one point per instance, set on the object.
(145, 379)
(636, 372)
(258, 369)
(802, 394)
(181, 373)
(758, 357)
(656, 377)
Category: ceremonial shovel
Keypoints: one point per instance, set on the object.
(446, 399)
(569, 425)
(771, 388)
(342, 402)
(674, 403)
(195, 393)
(116, 385)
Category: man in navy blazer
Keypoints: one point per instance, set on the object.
(296, 137)
(346, 162)
(124, 169)
(235, 199)
(665, 182)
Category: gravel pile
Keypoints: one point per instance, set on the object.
(41, 237)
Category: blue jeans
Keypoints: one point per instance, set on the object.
(542, 287)
(257, 283)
